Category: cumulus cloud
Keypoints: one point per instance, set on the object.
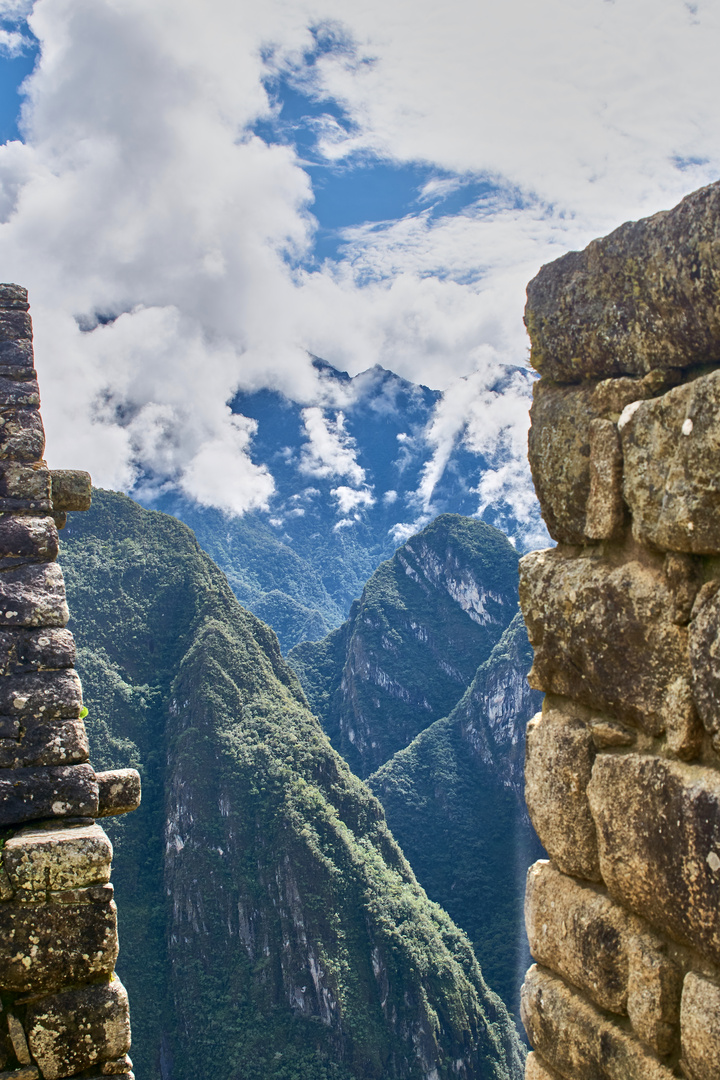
(350, 498)
(166, 247)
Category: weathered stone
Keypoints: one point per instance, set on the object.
(37, 860)
(13, 296)
(26, 1072)
(537, 1069)
(609, 733)
(700, 1028)
(76, 1029)
(605, 635)
(71, 489)
(671, 482)
(33, 596)
(658, 828)
(16, 393)
(119, 1065)
(15, 324)
(559, 755)
(605, 512)
(27, 539)
(18, 1040)
(93, 894)
(33, 794)
(611, 396)
(559, 455)
(646, 296)
(577, 1039)
(44, 742)
(22, 436)
(42, 694)
(45, 946)
(654, 988)
(119, 791)
(16, 358)
(47, 649)
(684, 578)
(705, 657)
(26, 483)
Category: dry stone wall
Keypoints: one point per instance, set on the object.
(623, 765)
(63, 1011)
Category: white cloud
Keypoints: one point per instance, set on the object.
(330, 450)
(350, 498)
(140, 193)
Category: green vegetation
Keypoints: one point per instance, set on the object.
(411, 646)
(271, 928)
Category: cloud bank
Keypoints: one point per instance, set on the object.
(169, 250)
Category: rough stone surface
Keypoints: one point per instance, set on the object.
(77, 1029)
(605, 512)
(537, 1069)
(559, 757)
(672, 485)
(25, 482)
(700, 1027)
(47, 649)
(605, 635)
(559, 455)
(15, 394)
(33, 596)
(119, 791)
(705, 657)
(35, 793)
(577, 1039)
(42, 694)
(38, 860)
(658, 827)
(646, 296)
(42, 742)
(71, 489)
(44, 946)
(22, 436)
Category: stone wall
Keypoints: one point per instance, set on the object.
(622, 770)
(63, 1010)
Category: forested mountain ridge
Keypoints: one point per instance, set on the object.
(413, 642)
(270, 925)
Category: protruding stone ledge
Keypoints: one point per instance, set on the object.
(119, 792)
(33, 794)
(77, 1029)
(645, 297)
(559, 756)
(658, 827)
(577, 1039)
(38, 860)
(71, 490)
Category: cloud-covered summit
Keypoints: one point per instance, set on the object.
(185, 207)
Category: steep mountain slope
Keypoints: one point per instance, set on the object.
(270, 926)
(351, 480)
(453, 799)
(412, 644)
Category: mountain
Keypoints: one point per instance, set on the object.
(355, 474)
(270, 925)
(454, 801)
(413, 642)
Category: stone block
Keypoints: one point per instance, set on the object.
(559, 756)
(44, 742)
(19, 394)
(45, 946)
(25, 1072)
(22, 436)
(36, 793)
(658, 828)
(15, 324)
(578, 1040)
(705, 657)
(16, 359)
(13, 297)
(537, 1069)
(684, 578)
(73, 857)
(119, 791)
(27, 539)
(42, 694)
(24, 482)
(23, 651)
(605, 635)
(71, 489)
(33, 596)
(18, 1040)
(559, 455)
(77, 1029)
(605, 513)
(654, 988)
(120, 1065)
(671, 484)
(645, 297)
(700, 1028)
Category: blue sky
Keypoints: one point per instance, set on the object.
(234, 188)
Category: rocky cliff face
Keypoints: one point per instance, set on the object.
(273, 928)
(426, 619)
(623, 776)
(64, 1011)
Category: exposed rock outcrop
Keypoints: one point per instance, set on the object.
(622, 770)
(64, 1009)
